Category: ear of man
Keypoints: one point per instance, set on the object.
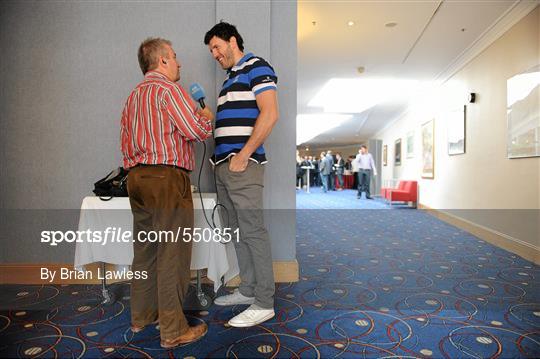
(233, 42)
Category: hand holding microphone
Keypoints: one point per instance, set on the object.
(197, 93)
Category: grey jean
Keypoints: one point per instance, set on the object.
(242, 195)
(364, 179)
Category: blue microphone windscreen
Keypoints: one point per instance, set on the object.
(197, 92)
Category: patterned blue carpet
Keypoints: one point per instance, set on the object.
(373, 284)
(345, 199)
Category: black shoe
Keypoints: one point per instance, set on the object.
(358, 197)
(368, 197)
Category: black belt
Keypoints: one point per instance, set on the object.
(163, 165)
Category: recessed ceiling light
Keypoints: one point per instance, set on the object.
(350, 23)
(390, 24)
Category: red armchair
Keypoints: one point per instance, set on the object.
(386, 190)
(407, 191)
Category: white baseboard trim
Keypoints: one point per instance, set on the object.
(515, 245)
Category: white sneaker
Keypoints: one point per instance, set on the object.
(252, 316)
(233, 299)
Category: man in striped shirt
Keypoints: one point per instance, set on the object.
(247, 111)
(159, 126)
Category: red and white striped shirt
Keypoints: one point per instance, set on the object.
(159, 124)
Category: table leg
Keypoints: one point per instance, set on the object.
(108, 298)
(307, 180)
(204, 300)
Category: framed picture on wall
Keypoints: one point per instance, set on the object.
(410, 144)
(523, 114)
(385, 155)
(428, 149)
(455, 122)
(397, 153)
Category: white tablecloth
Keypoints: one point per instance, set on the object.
(97, 215)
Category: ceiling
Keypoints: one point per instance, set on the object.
(428, 39)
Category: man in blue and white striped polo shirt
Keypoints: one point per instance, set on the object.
(246, 113)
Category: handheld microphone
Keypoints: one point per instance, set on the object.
(197, 93)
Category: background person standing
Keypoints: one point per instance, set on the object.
(324, 170)
(332, 171)
(354, 170)
(366, 167)
(340, 168)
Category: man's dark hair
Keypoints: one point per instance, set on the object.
(363, 146)
(224, 31)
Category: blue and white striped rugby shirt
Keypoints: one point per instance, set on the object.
(237, 109)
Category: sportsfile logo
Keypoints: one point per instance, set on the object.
(117, 235)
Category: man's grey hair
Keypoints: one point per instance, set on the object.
(150, 51)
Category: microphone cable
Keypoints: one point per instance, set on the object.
(217, 205)
(197, 94)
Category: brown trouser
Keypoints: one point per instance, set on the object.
(160, 198)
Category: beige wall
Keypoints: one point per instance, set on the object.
(483, 178)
